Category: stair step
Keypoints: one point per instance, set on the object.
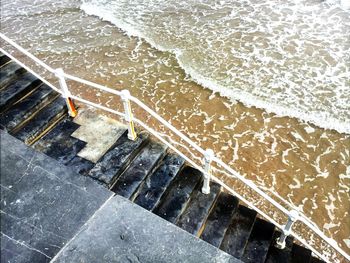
(18, 90)
(300, 254)
(197, 211)
(156, 184)
(39, 124)
(219, 219)
(4, 60)
(174, 202)
(58, 144)
(26, 108)
(112, 164)
(129, 181)
(259, 241)
(80, 165)
(276, 255)
(238, 233)
(10, 72)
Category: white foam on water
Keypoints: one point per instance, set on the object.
(322, 98)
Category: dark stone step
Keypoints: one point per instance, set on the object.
(156, 184)
(58, 144)
(219, 219)
(26, 108)
(3, 59)
(39, 124)
(300, 254)
(197, 211)
(259, 242)
(276, 255)
(22, 111)
(18, 90)
(112, 164)
(9, 73)
(175, 200)
(129, 181)
(237, 234)
(80, 165)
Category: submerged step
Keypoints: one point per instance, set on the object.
(58, 144)
(156, 184)
(20, 112)
(259, 242)
(219, 219)
(18, 90)
(9, 73)
(277, 255)
(4, 59)
(237, 234)
(300, 254)
(112, 164)
(197, 211)
(175, 201)
(129, 181)
(40, 122)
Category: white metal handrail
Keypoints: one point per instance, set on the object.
(208, 155)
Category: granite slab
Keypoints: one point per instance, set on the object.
(43, 204)
(124, 232)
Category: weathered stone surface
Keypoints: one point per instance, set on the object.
(219, 219)
(42, 120)
(17, 90)
(175, 201)
(237, 234)
(98, 131)
(43, 204)
(21, 111)
(3, 59)
(80, 165)
(259, 242)
(196, 213)
(117, 158)
(300, 254)
(9, 72)
(276, 255)
(155, 185)
(58, 143)
(124, 232)
(129, 181)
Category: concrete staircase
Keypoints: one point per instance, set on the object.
(142, 171)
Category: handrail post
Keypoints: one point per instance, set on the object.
(292, 218)
(66, 93)
(125, 95)
(208, 156)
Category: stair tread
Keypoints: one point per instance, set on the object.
(238, 232)
(300, 254)
(316, 260)
(156, 184)
(179, 192)
(18, 89)
(22, 110)
(80, 165)
(42, 120)
(3, 59)
(129, 181)
(193, 218)
(259, 241)
(219, 219)
(9, 72)
(109, 167)
(276, 255)
(58, 144)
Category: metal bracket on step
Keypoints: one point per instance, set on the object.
(66, 93)
(292, 218)
(208, 157)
